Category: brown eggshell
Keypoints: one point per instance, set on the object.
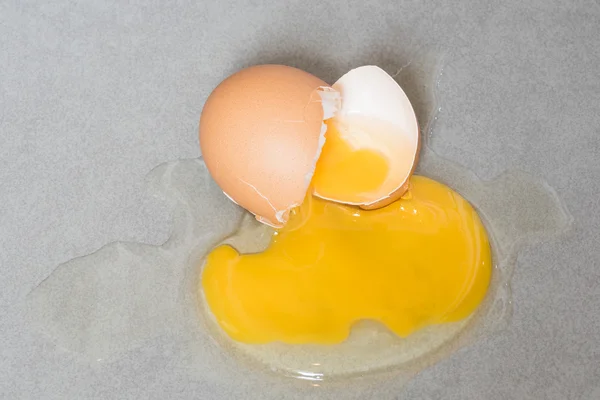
(259, 136)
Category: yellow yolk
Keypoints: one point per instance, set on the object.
(345, 173)
(424, 259)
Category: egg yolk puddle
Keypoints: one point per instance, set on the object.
(424, 259)
(344, 172)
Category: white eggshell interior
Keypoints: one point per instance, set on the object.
(376, 113)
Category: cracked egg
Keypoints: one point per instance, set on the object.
(269, 134)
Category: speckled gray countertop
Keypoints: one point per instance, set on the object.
(94, 94)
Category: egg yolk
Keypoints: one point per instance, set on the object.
(424, 259)
(344, 172)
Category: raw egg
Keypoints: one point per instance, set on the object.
(422, 260)
(356, 236)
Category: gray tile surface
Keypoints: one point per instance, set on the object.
(94, 94)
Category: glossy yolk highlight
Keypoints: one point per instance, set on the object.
(346, 173)
(424, 259)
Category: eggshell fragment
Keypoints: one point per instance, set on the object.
(375, 113)
(261, 132)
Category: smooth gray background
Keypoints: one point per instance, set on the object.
(94, 94)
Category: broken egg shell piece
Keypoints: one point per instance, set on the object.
(330, 102)
(261, 130)
(376, 114)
